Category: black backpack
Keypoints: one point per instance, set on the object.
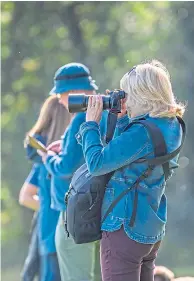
(82, 218)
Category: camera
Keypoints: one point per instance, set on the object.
(79, 102)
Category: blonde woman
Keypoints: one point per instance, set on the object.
(128, 252)
(51, 124)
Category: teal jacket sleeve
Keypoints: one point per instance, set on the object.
(71, 157)
(122, 150)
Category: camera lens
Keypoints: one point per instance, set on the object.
(106, 102)
(77, 103)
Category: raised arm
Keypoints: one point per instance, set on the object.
(28, 196)
(28, 193)
(71, 157)
(122, 150)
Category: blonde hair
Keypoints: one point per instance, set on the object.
(52, 121)
(149, 90)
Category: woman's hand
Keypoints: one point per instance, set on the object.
(55, 146)
(95, 107)
(45, 154)
(42, 154)
(52, 149)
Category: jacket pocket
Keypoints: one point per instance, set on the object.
(148, 222)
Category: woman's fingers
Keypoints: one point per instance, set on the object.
(100, 103)
(90, 102)
(94, 101)
(95, 107)
(99, 107)
(41, 153)
(54, 144)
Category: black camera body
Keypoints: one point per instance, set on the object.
(112, 101)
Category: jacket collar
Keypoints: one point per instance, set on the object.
(142, 116)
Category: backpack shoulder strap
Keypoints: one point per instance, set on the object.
(166, 158)
(160, 150)
(111, 124)
(158, 160)
(159, 144)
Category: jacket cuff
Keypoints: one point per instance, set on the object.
(49, 161)
(90, 125)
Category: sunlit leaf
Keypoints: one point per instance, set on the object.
(5, 17)
(30, 64)
(62, 32)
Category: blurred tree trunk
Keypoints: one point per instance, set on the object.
(70, 18)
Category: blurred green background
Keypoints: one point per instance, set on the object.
(109, 37)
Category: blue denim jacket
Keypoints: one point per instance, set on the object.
(124, 154)
(63, 165)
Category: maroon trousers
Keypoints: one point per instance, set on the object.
(123, 259)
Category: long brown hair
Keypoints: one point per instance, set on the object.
(52, 121)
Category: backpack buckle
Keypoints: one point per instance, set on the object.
(148, 172)
(67, 194)
(64, 217)
(66, 230)
(66, 197)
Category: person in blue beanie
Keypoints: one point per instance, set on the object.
(77, 262)
(51, 124)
